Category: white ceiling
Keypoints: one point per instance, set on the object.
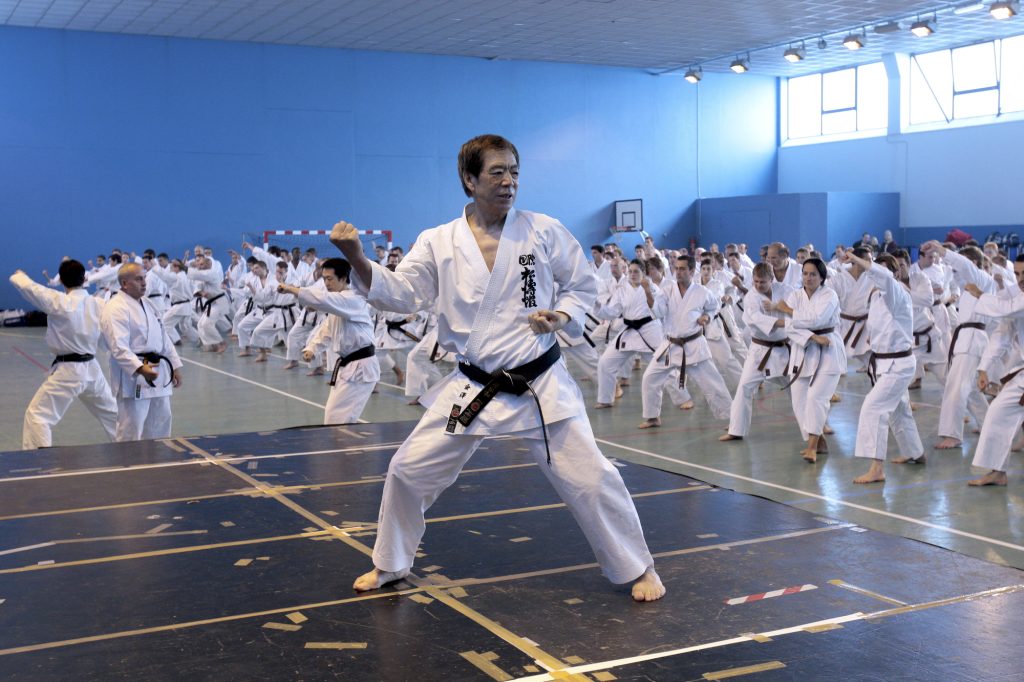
(658, 35)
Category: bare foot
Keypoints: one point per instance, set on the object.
(835, 398)
(291, 364)
(602, 406)
(909, 460)
(245, 353)
(220, 347)
(991, 478)
(315, 372)
(947, 443)
(623, 381)
(875, 474)
(822, 448)
(827, 430)
(810, 456)
(650, 423)
(688, 405)
(728, 437)
(916, 383)
(262, 356)
(414, 401)
(377, 578)
(648, 587)
(618, 391)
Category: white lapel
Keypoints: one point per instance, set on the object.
(497, 281)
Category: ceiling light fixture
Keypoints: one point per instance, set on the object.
(795, 54)
(888, 27)
(1002, 10)
(694, 75)
(854, 41)
(740, 65)
(922, 29)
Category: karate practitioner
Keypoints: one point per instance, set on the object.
(784, 268)
(817, 357)
(852, 288)
(212, 306)
(641, 305)
(306, 321)
(722, 329)
(72, 333)
(423, 366)
(891, 367)
(143, 363)
(502, 281)
(1006, 412)
(278, 313)
(349, 331)
(961, 394)
(769, 350)
(684, 353)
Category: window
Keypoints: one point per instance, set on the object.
(985, 79)
(839, 102)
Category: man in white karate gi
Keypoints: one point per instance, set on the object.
(72, 333)
(502, 282)
(144, 367)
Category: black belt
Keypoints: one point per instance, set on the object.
(681, 342)
(249, 305)
(156, 296)
(358, 354)
(515, 381)
(956, 334)
(73, 357)
(635, 325)
(434, 355)
(796, 374)
(725, 327)
(770, 345)
(926, 333)
(873, 357)
(290, 308)
(173, 303)
(155, 359)
(849, 332)
(1010, 377)
(399, 325)
(305, 316)
(207, 307)
(198, 303)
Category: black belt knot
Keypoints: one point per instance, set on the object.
(154, 358)
(635, 325)
(358, 354)
(515, 381)
(926, 333)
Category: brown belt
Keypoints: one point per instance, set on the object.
(1010, 377)
(681, 341)
(796, 374)
(926, 333)
(770, 345)
(873, 357)
(849, 332)
(956, 335)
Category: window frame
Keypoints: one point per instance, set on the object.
(822, 111)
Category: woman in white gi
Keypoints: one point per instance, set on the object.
(961, 394)
(1006, 412)
(891, 367)
(72, 334)
(501, 281)
(769, 348)
(817, 357)
(349, 331)
(641, 305)
(143, 363)
(852, 288)
(684, 354)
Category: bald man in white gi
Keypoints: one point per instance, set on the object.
(72, 333)
(502, 281)
(144, 367)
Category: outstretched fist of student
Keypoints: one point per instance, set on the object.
(346, 238)
(547, 321)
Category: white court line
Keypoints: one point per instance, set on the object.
(381, 383)
(254, 383)
(824, 498)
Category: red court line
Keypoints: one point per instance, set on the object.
(30, 359)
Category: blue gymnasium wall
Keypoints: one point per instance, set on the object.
(135, 142)
(959, 177)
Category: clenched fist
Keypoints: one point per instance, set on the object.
(346, 238)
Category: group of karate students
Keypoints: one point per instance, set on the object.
(726, 324)
(716, 320)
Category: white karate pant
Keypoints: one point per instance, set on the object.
(67, 381)
(246, 327)
(938, 369)
(741, 409)
(180, 316)
(887, 406)
(728, 366)
(585, 357)
(704, 373)
(298, 335)
(1005, 415)
(961, 395)
(430, 460)
(346, 401)
(144, 418)
(812, 403)
(420, 372)
(213, 322)
(612, 365)
(266, 333)
(389, 359)
(238, 316)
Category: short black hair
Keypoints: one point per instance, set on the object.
(690, 261)
(340, 266)
(819, 265)
(597, 247)
(471, 156)
(71, 274)
(163, 255)
(115, 258)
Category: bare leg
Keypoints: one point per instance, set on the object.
(648, 587)
(822, 445)
(991, 478)
(810, 453)
(876, 474)
(377, 578)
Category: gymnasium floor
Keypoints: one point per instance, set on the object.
(176, 561)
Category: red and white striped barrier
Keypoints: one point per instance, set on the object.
(768, 595)
(267, 234)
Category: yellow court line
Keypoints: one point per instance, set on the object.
(867, 593)
(158, 552)
(910, 608)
